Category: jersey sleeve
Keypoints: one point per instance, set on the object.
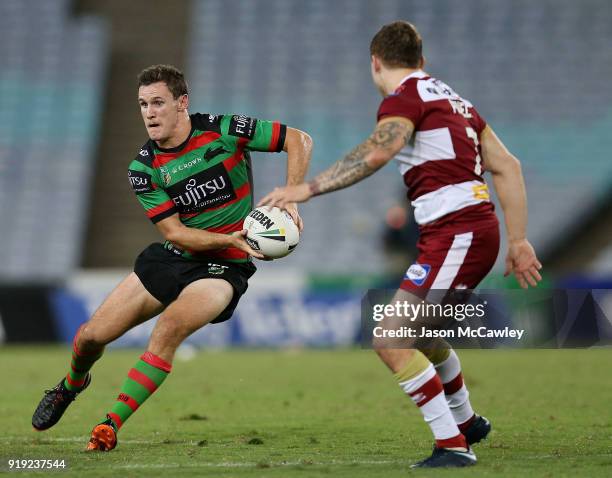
(155, 201)
(257, 135)
(401, 105)
(477, 122)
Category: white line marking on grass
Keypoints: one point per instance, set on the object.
(265, 463)
(281, 464)
(306, 462)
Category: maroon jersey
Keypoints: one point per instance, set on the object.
(441, 164)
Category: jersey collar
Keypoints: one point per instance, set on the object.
(414, 74)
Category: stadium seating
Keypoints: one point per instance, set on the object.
(53, 70)
(538, 72)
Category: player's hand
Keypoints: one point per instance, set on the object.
(292, 210)
(280, 197)
(237, 241)
(522, 261)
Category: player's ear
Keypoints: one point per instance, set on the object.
(183, 103)
(376, 65)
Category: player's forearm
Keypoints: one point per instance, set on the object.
(299, 150)
(367, 158)
(512, 195)
(347, 171)
(198, 239)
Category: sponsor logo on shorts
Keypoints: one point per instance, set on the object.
(417, 273)
(172, 248)
(216, 269)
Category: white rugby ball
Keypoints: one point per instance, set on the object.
(271, 232)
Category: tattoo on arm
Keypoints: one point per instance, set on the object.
(354, 166)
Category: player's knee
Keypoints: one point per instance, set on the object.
(395, 359)
(383, 342)
(91, 337)
(170, 329)
(379, 345)
(382, 352)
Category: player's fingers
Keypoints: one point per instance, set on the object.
(264, 201)
(530, 278)
(253, 253)
(245, 248)
(280, 202)
(300, 224)
(509, 268)
(268, 200)
(534, 272)
(293, 213)
(521, 280)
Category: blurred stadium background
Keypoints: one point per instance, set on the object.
(539, 72)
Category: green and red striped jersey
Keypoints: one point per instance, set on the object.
(207, 180)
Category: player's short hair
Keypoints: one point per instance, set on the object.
(398, 45)
(172, 76)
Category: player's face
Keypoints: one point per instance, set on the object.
(160, 111)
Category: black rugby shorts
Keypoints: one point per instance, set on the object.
(165, 274)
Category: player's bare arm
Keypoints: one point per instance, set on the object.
(389, 137)
(173, 230)
(505, 169)
(298, 146)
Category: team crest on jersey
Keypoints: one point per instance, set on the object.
(417, 273)
(165, 175)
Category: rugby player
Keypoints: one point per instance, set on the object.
(193, 178)
(442, 147)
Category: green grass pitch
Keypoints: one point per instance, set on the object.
(314, 413)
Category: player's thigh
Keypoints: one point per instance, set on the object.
(128, 305)
(199, 303)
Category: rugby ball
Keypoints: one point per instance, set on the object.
(271, 232)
